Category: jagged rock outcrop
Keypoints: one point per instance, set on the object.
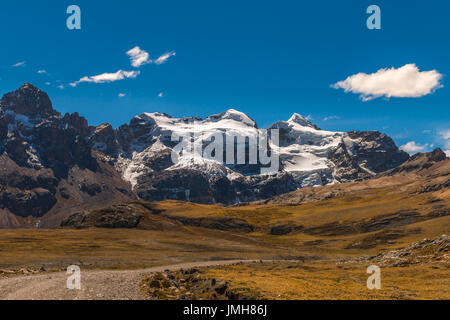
(47, 164)
(421, 252)
(121, 216)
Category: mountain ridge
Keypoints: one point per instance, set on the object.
(62, 162)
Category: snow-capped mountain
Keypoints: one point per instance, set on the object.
(308, 156)
(54, 164)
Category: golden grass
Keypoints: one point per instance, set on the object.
(122, 248)
(351, 207)
(362, 206)
(131, 248)
(327, 280)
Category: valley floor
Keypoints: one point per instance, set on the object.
(25, 251)
(243, 279)
(328, 280)
(321, 239)
(95, 284)
(33, 266)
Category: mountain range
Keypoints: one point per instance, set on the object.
(53, 165)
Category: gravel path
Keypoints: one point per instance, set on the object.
(95, 284)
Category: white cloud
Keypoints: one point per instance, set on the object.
(406, 81)
(121, 95)
(107, 77)
(138, 57)
(331, 118)
(61, 86)
(19, 64)
(160, 95)
(41, 71)
(48, 83)
(412, 147)
(163, 58)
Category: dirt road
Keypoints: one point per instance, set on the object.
(95, 284)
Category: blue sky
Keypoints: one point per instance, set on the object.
(268, 59)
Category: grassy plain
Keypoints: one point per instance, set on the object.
(328, 280)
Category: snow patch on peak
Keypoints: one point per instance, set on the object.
(156, 115)
(136, 166)
(229, 119)
(299, 119)
(208, 166)
(232, 114)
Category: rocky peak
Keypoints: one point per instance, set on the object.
(79, 123)
(420, 161)
(29, 101)
(34, 135)
(103, 138)
(363, 154)
(434, 156)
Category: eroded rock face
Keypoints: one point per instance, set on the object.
(188, 185)
(60, 148)
(35, 202)
(197, 186)
(103, 138)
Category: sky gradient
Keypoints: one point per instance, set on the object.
(268, 59)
